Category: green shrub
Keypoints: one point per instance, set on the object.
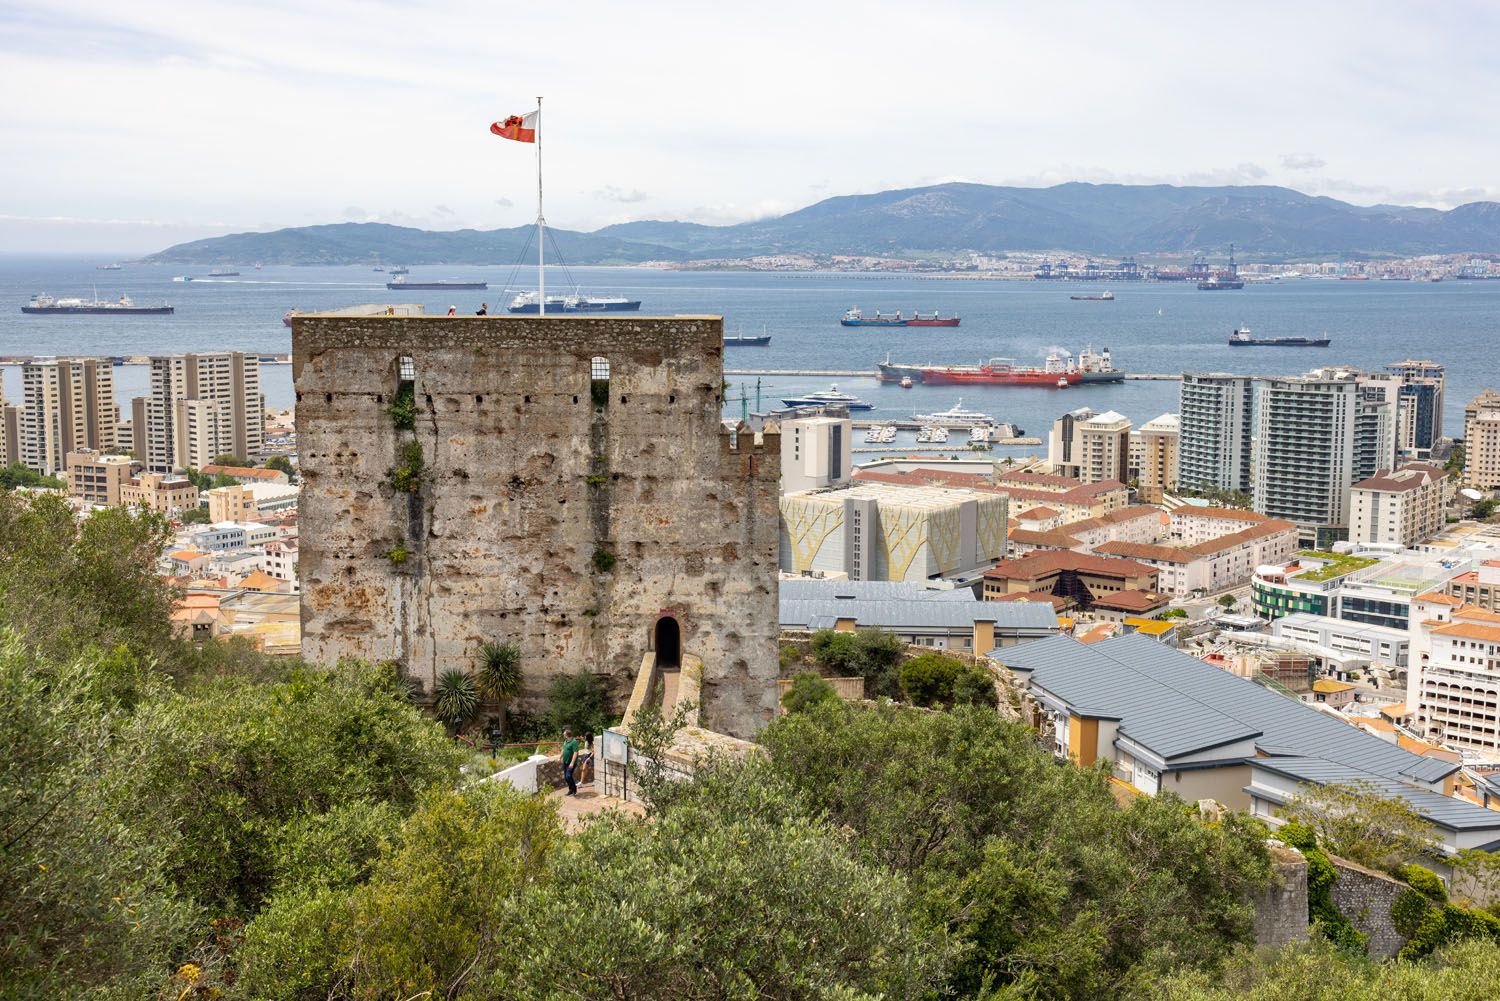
(403, 409)
(603, 560)
(868, 653)
(1408, 912)
(1443, 924)
(1299, 836)
(596, 479)
(1424, 881)
(407, 477)
(975, 686)
(807, 689)
(500, 678)
(789, 655)
(399, 555)
(1174, 613)
(578, 701)
(928, 679)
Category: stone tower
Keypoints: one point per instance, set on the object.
(562, 483)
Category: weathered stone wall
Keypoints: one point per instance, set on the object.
(1365, 898)
(1281, 908)
(525, 480)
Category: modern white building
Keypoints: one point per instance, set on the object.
(816, 452)
(1401, 507)
(1091, 447)
(1321, 633)
(879, 531)
(1453, 690)
(201, 406)
(1215, 414)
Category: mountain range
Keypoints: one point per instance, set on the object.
(1262, 221)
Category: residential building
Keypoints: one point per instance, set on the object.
(201, 406)
(816, 452)
(159, 492)
(1190, 524)
(1371, 586)
(1420, 406)
(69, 404)
(1402, 507)
(1454, 687)
(1163, 720)
(1062, 441)
(1304, 453)
(225, 536)
(1090, 447)
(10, 433)
(879, 531)
(1156, 468)
(1082, 579)
(1479, 586)
(246, 502)
(1139, 523)
(97, 478)
(1331, 693)
(1214, 565)
(1482, 442)
(951, 620)
(1215, 414)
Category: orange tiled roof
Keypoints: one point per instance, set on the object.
(1220, 512)
(1131, 600)
(1438, 598)
(243, 472)
(1050, 561)
(1056, 601)
(1470, 631)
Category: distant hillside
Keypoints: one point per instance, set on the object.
(1103, 219)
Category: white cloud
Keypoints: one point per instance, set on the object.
(288, 110)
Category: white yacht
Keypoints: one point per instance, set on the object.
(956, 416)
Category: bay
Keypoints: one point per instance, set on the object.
(1155, 328)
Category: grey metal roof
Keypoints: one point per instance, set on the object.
(1446, 811)
(1175, 704)
(916, 613)
(809, 588)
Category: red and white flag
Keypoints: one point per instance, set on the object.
(521, 128)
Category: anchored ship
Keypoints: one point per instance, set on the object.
(1226, 279)
(1105, 296)
(401, 283)
(527, 302)
(855, 318)
(1240, 337)
(120, 307)
(1002, 372)
(740, 340)
(223, 273)
(1089, 368)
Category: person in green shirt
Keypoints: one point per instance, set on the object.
(569, 758)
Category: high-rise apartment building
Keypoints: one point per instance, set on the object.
(1305, 455)
(10, 431)
(1215, 416)
(1104, 448)
(201, 406)
(1402, 507)
(815, 452)
(68, 404)
(1420, 423)
(1157, 465)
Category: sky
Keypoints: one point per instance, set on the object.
(129, 127)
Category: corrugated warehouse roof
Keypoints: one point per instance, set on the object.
(824, 613)
(1176, 705)
(870, 590)
(1447, 811)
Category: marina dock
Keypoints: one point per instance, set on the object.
(866, 374)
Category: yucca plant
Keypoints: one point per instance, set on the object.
(500, 675)
(455, 700)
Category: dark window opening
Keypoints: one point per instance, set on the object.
(668, 643)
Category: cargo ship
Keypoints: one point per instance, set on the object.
(740, 340)
(855, 318)
(399, 269)
(46, 304)
(1220, 282)
(1240, 337)
(1001, 372)
(1089, 368)
(527, 302)
(402, 283)
(1101, 297)
(223, 273)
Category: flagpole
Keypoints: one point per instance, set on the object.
(541, 271)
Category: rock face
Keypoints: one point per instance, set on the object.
(585, 519)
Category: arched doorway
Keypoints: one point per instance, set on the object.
(668, 643)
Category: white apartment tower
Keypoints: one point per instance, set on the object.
(201, 406)
(1305, 455)
(815, 452)
(67, 404)
(1160, 445)
(1215, 415)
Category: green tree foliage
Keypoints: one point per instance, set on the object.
(455, 700)
(578, 701)
(935, 679)
(807, 689)
(867, 653)
(16, 475)
(499, 677)
(282, 464)
(1454, 464)
(1354, 821)
(194, 516)
(1482, 509)
(1048, 887)
(230, 459)
(1318, 971)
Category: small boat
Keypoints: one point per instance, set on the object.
(378, 268)
(906, 382)
(955, 416)
(223, 273)
(107, 267)
(1105, 296)
(400, 270)
(1062, 382)
(828, 398)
